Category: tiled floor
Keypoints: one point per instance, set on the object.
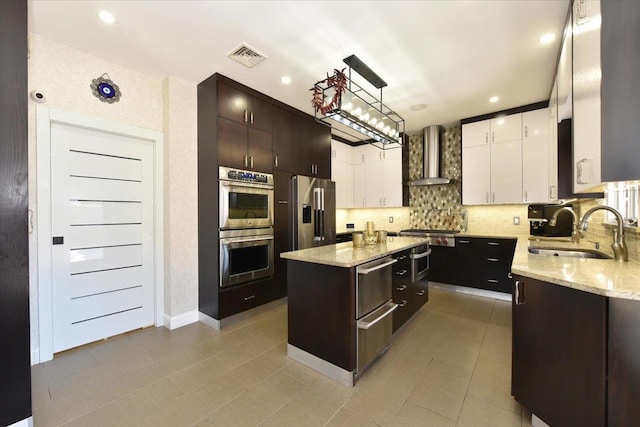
(449, 366)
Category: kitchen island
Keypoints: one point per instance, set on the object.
(338, 319)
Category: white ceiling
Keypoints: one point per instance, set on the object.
(451, 55)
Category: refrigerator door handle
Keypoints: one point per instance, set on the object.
(318, 201)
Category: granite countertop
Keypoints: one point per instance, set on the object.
(345, 255)
(605, 277)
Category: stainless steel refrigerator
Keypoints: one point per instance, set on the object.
(314, 212)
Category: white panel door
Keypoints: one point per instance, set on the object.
(392, 172)
(506, 128)
(535, 170)
(102, 223)
(476, 134)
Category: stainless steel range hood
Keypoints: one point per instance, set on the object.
(431, 157)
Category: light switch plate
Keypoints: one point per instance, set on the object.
(390, 219)
(516, 220)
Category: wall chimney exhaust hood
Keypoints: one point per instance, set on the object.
(432, 137)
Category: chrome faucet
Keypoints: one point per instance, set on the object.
(619, 246)
(575, 236)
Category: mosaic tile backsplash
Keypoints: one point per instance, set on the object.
(438, 206)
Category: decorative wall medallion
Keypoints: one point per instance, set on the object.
(105, 89)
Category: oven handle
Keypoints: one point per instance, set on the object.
(377, 267)
(422, 255)
(367, 325)
(244, 239)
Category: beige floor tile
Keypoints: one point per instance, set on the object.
(496, 347)
(348, 418)
(459, 351)
(470, 328)
(412, 415)
(478, 413)
(478, 308)
(491, 382)
(442, 389)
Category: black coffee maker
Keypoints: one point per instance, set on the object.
(540, 216)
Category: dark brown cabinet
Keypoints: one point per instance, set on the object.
(283, 232)
(244, 130)
(559, 353)
(301, 145)
(15, 366)
(475, 262)
(409, 296)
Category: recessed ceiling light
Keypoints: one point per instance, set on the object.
(547, 38)
(286, 80)
(106, 17)
(417, 107)
(494, 99)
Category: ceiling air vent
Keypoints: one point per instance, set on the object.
(246, 55)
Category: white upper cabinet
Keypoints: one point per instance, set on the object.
(587, 74)
(506, 128)
(366, 176)
(342, 173)
(476, 134)
(513, 166)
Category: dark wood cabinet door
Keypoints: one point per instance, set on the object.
(282, 227)
(15, 367)
(259, 151)
(232, 144)
(321, 155)
(233, 104)
(283, 155)
(302, 144)
(623, 362)
(558, 360)
(260, 114)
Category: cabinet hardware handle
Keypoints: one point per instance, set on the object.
(245, 160)
(463, 241)
(377, 267)
(249, 297)
(251, 158)
(487, 197)
(493, 243)
(246, 114)
(581, 172)
(420, 292)
(518, 297)
(493, 137)
(401, 273)
(275, 161)
(492, 281)
(403, 303)
(283, 202)
(486, 137)
(401, 257)
(493, 196)
(401, 288)
(251, 115)
(526, 131)
(493, 259)
(509, 275)
(312, 169)
(525, 195)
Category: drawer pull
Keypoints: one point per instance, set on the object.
(493, 259)
(401, 288)
(403, 303)
(249, 297)
(492, 281)
(463, 241)
(401, 257)
(401, 272)
(420, 292)
(493, 243)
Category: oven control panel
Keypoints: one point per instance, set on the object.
(239, 175)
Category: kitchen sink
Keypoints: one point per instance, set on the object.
(569, 252)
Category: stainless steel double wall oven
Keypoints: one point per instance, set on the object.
(246, 226)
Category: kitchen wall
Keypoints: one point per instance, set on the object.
(380, 217)
(64, 74)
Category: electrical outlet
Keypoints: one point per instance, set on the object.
(390, 219)
(516, 220)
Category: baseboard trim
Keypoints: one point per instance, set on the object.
(218, 324)
(471, 291)
(27, 422)
(175, 322)
(330, 370)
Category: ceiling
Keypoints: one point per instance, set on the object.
(451, 55)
